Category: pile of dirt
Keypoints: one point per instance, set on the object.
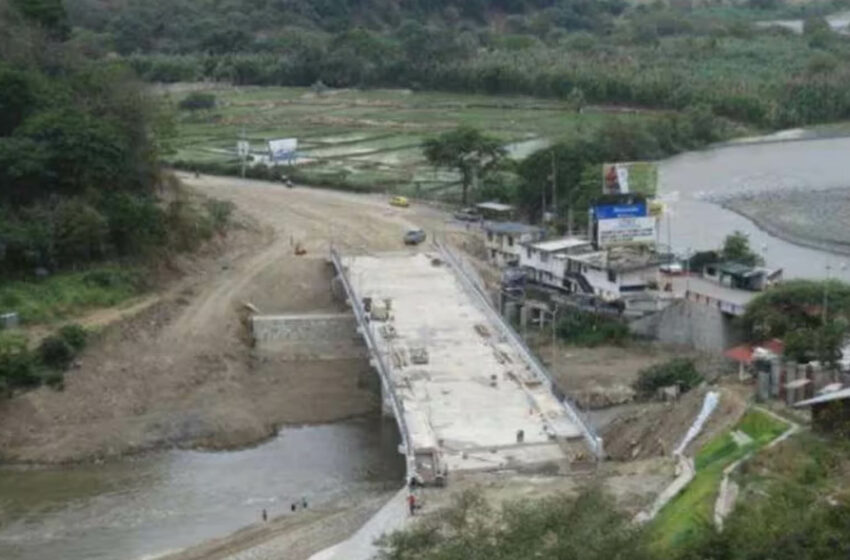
(657, 428)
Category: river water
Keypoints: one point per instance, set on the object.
(690, 181)
(140, 507)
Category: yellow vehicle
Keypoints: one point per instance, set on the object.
(399, 201)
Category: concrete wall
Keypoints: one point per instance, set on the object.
(691, 324)
(311, 336)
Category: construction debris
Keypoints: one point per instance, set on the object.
(419, 355)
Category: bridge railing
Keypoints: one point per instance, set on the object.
(383, 370)
(474, 285)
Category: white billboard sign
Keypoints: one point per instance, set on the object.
(283, 149)
(626, 231)
(243, 148)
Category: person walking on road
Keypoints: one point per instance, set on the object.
(411, 501)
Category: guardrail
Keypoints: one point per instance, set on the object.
(383, 370)
(467, 278)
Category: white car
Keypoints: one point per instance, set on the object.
(673, 269)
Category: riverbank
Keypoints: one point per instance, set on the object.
(182, 373)
(295, 536)
(812, 218)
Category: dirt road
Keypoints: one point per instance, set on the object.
(179, 373)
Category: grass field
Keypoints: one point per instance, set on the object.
(694, 508)
(371, 139)
(69, 293)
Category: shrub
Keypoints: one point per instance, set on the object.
(590, 329)
(197, 100)
(17, 365)
(74, 335)
(220, 212)
(678, 371)
(55, 353)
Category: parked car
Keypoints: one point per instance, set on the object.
(414, 237)
(399, 201)
(673, 269)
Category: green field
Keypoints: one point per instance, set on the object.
(370, 140)
(694, 507)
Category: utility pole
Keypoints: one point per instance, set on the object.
(554, 185)
(242, 154)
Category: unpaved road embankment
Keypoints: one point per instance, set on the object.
(179, 373)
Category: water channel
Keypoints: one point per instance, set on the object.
(143, 506)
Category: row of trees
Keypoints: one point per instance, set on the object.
(574, 165)
(789, 523)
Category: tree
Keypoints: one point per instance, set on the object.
(467, 150)
(736, 248)
(585, 528)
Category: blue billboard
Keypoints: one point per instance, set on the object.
(611, 211)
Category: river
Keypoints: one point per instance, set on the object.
(143, 506)
(691, 180)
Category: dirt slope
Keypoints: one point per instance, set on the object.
(180, 373)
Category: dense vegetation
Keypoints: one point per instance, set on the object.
(812, 317)
(679, 372)
(79, 149)
(791, 522)
(584, 328)
(654, 55)
(22, 367)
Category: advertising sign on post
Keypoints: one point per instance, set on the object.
(640, 177)
(609, 211)
(283, 149)
(626, 231)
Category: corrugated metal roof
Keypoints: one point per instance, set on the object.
(560, 244)
(510, 227)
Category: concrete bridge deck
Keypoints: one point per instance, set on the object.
(477, 389)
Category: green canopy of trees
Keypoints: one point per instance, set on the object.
(470, 152)
(79, 147)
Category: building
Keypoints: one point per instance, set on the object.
(573, 265)
(615, 273)
(495, 211)
(545, 262)
(830, 412)
(741, 276)
(504, 241)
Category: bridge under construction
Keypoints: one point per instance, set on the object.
(466, 392)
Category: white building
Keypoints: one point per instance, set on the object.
(545, 262)
(571, 264)
(504, 241)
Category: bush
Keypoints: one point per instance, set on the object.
(590, 329)
(55, 353)
(678, 371)
(74, 335)
(220, 212)
(17, 364)
(197, 100)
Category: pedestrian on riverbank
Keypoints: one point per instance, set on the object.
(411, 502)
(265, 515)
